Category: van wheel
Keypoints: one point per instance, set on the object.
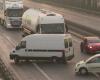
(54, 59)
(83, 71)
(16, 60)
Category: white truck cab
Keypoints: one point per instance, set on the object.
(90, 65)
(44, 46)
(11, 13)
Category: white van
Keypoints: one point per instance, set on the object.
(90, 65)
(44, 46)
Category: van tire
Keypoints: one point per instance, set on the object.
(54, 59)
(83, 71)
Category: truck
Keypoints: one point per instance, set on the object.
(11, 13)
(43, 21)
(53, 47)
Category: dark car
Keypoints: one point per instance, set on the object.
(90, 45)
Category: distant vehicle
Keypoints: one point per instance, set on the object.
(44, 46)
(11, 13)
(43, 22)
(90, 65)
(90, 45)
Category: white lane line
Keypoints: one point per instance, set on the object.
(96, 75)
(40, 70)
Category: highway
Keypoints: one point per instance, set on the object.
(39, 70)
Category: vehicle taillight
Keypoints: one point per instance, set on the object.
(90, 47)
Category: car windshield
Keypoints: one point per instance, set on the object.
(52, 28)
(14, 12)
(94, 41)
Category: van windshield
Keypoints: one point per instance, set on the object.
(52, 28)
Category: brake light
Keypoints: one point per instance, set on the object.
(90, 47)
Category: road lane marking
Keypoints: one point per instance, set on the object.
(9, 39)
(96, 75)
(41, 70)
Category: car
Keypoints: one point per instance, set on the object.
(90, 45)
(92, 64)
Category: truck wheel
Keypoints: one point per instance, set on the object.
(83, 71)
(16, 60)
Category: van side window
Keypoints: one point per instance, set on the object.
(66, 43)
(23, 44)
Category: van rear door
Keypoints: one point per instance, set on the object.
(68, 47)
